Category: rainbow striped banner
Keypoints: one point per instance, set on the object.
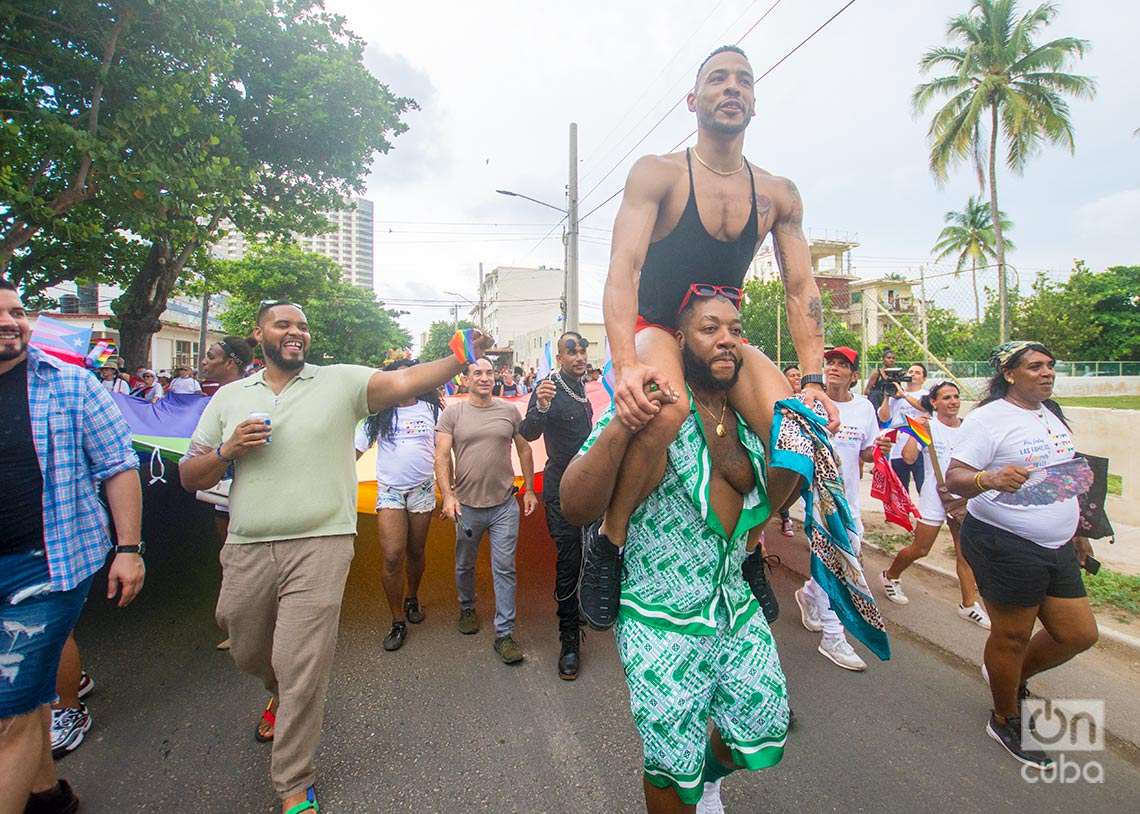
(918, 432)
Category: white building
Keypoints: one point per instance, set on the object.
(349, 244)
(518, 302)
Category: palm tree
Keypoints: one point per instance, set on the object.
(998, 67)
(969, 234)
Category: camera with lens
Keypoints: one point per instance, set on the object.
(896, 375)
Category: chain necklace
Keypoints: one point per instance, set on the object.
(720, 430)
(704, 164)
(557, 376)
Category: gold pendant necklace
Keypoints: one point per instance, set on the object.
(721, 432)
(704, 164)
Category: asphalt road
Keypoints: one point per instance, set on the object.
(442, 726)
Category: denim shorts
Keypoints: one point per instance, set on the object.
(34, 623)
(417, 499)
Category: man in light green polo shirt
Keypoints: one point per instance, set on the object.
(287, 432)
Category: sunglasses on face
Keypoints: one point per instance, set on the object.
(574, 345)
(729, 292)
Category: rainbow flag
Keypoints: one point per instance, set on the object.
(918, 432)
(99, 355)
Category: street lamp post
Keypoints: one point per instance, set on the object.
(570, 266)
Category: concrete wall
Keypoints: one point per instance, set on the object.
(1067, 385)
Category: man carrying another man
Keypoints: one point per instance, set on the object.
(706, 689)
(288, 431)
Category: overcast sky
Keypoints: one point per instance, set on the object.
(499, 82)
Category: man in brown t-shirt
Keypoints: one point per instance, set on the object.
(479, 495)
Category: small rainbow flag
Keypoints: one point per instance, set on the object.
(100, 354)
(463, 344)
(918, 432)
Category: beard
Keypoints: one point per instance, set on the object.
(699, 374)
(273, 352)
(9, 355)
(708, 121)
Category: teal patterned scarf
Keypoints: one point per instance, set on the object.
(799, 442)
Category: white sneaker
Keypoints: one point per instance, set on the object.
(710, 802)
(808, 614)
(893, 589)
(976, 614)
(841, 654)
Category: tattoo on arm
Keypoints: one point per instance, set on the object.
(789, 225)
(815, 313)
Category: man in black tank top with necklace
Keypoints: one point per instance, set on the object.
(689, 225)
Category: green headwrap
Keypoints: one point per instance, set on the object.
(1004, 352)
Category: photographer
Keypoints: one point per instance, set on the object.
(904, 400)
(1026, 558)
(878, 387)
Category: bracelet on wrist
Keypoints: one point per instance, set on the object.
(218, 452)
(978, 481)
(462, 344)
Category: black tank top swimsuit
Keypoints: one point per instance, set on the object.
(689, 254)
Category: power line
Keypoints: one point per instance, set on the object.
(777, 64)
(645, 92)
(672, 107)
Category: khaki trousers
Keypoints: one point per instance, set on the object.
(280, 606)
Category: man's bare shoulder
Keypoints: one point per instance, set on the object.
(783, 191)
(657, 173)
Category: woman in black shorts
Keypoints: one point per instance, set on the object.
(1026, 559)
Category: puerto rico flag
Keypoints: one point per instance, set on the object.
(62, 340)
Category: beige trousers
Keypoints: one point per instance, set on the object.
(280, 607)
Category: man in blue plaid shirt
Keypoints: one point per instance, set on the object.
(60, 436)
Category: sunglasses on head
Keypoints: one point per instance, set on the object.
(574, 345)
(729, 292)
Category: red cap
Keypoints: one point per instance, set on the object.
(850, 355)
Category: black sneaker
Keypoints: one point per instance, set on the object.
(1009, 736)
(395, 638)
(413, 611)
(568, 658)
(59, 799)
(753, 570)
(599, 584)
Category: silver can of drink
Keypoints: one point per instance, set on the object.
(263, 417)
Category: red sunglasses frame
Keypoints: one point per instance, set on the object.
(729, 292)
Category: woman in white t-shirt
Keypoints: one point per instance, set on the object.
(936, 504)
(405, 498)
(892, 412)
(1027, 559)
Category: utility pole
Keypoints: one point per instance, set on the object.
(202, 326)
(455, 315)
(922, 293)
(480, 296)
(571, 275)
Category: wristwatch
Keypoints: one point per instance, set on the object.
(811, 378)
(139, 549)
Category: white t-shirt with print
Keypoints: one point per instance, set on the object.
(900, 408)
(1002, 434)
(858, 429)
(407, 459)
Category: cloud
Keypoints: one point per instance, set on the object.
(419, 153)
(1111, 221)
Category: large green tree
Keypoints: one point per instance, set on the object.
(762, 312)
(969, 238)
(439, 334)
(347, 323)
(997, 70)
(253, 115)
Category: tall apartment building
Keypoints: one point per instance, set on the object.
(349, 244)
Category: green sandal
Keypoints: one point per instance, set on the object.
(309, 804)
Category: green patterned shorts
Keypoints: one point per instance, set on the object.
(677, 682)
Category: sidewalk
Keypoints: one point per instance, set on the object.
(1109, 671)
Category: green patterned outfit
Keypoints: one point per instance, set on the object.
(689, 634)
